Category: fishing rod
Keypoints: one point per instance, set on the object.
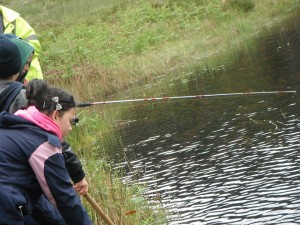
(99, 210)
(84, 104)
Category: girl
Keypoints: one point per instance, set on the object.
(31, 160)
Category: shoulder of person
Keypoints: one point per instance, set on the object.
(4, 84)
(9, 14)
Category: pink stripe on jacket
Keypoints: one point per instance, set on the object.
(37, 161)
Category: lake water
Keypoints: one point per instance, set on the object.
(225, 160)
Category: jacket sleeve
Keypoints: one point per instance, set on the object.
(48, 165)
(72, 163)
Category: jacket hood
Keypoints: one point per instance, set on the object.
(9, 120)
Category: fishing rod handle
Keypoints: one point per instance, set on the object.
(83, 104)
(97, 207)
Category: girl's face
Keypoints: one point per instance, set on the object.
(64, 121)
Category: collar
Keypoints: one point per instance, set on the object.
(8, 15)
(41, 120)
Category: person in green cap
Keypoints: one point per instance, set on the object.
(27, 53)
(12, 93)
(12, 96)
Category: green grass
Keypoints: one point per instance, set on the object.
(98, 49)
(137, 42)
(112, 45)
(119, 199)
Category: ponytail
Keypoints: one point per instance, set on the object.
(48, 99)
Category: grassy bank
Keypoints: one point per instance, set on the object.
(110, 45)
(99, 49)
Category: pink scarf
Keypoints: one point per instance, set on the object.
(41, 120)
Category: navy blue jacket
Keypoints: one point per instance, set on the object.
(31, 163)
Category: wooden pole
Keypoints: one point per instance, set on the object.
(100, 211)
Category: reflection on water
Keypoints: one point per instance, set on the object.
(228, 160)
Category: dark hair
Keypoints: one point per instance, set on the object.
(48, 99)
